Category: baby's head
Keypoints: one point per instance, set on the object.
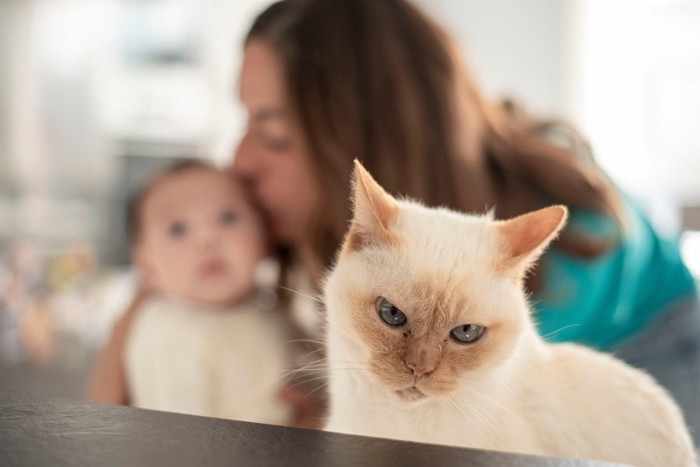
(196, 236)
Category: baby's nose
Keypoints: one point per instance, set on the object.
(210, 239)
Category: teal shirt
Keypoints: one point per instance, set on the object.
(603, 300)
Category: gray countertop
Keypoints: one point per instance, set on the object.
(46, 431)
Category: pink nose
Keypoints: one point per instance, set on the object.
(420, 369)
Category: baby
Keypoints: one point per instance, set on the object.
(200, 345)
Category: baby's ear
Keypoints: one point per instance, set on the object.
(374, 210)
(524, 238)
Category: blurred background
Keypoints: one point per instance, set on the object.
(97, 94)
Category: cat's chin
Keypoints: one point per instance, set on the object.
(410, 394)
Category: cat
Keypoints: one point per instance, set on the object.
(430, 339)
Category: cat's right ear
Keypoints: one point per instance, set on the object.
(374, 210)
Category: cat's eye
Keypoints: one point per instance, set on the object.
(229, 218)
(467, 333)
(177, 230)
(389, 313)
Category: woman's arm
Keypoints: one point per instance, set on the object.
(108, 381)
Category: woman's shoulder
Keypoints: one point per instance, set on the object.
(591, 223)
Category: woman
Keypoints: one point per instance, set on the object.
(325, 82)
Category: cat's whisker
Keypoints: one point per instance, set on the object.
(321, 368)
(310, 366)
(319, 387)
(311, 353)
(315, 366)
(325, 362)
(292, 372)
(480, 415)
(490, 399)
(557, 331)
(477, 409)
(295, 375)
(301, 294)
(307, 381)
(346, 362)
(312, 357)
(503, 383)
(460, 406)
(318, 361)
(470, 380)
(319, 365)
(305, 341)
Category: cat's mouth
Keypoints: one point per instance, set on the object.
(410, 394)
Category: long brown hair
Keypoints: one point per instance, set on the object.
(379, 81)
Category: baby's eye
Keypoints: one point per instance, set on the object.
(229, 217)
(467, 333)
(177, 230)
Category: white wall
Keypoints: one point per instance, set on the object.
(640, 93)
(627, 72)
(517, 48)
(228, 22)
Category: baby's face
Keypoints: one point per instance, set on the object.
(200, 239)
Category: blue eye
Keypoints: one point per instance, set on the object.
(177, 230)
(467, 333)
(229, 217)
(389, 313)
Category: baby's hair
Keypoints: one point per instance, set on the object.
(136, 202)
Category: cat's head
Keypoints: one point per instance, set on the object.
(425, 298)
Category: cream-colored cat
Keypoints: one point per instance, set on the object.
(430, 339)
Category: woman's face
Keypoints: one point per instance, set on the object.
(271, 158)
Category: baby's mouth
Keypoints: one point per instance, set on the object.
(213, 268)
(410, 394)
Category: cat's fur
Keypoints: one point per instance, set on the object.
(509, 390)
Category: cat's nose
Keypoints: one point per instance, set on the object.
(420, 369)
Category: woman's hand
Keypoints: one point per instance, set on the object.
(308, 410)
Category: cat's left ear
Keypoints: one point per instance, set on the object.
(526, 237)
(374, 210)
